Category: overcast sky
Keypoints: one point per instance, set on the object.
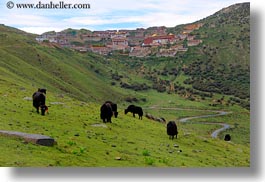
(109, 14)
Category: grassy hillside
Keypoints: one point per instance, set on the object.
(77, 84)
(221, 63)
(61, 70)
(83, 140)
(217, 67)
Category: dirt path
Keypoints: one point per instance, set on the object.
(215, 133)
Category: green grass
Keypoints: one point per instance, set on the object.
(137, 143)
(77, 85)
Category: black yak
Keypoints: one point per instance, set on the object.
(39, 102)
(172, 129)
(227, 137)
(107, 110)
(135, 110)
(114, 108)
(43, 90)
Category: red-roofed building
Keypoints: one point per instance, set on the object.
(159, 40)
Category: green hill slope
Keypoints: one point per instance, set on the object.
(83, 140)
(217, 67)
(221, 63)
(57, 69)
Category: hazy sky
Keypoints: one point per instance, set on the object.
(108, 14)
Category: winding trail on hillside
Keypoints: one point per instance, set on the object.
(215, 133)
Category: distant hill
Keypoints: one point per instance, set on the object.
(222, 61)
(220, 64)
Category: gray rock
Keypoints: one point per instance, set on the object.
(27, 98)
(118, 158)
(99, 125)
(30, 138)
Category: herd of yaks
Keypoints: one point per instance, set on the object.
(107, 110)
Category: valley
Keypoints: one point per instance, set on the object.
(206, 79)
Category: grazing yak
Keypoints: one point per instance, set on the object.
(135, 110)
(39, 101)
(172, 129)
(227, 137)
(114, 108)
(43, 90)
(107, 110)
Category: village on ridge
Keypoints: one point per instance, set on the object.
(134, 43)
